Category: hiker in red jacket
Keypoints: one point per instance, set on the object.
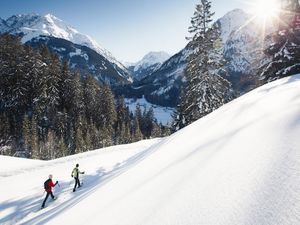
(48, 185)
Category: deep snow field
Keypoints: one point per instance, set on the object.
(240, 165)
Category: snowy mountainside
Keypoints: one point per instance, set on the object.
(244, 155)
(3, 25)
(33, 26)
(162, 87)
(84, 59)
(146, 66)
(232, 22)
(242, 50)
(164, 84)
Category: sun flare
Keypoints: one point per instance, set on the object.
(266, 9)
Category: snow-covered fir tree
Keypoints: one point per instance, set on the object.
(136, 130)
(284, 53)
(205, 90)
(48, 111)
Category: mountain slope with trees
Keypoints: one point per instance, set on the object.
(82, 52)
(48, 111)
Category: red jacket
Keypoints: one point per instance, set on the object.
(50, 186)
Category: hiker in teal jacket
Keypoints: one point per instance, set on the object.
(75, 174)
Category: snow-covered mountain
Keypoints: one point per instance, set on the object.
(243, 48)
(3, 25)
(238, 165)
(231, 22)
(146, 66)
(35, 27)
(242, 43)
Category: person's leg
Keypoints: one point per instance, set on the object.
(47, 195)
(76, 182)
(52, 196)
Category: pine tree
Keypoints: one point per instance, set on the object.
(205, 90)
(137, 134)
(148, 122)
(139, 116)
(122, 121)
(26, 134)
(90, 102)
(62, 148)
(51, 146)
(156, 131)
(5, 135)
(35, 154)
(179, 121)
(95, 137)
(105, 137)
(76, 96)
(125, 136)
(79, 141)
(88, 141)
(166, 131)
(284, 53)
(107, 114)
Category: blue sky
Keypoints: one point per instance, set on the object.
(127, 28)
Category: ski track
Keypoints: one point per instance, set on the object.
(26, 210)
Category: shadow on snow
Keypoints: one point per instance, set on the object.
(30, 206)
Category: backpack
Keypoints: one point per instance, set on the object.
(75, 172)
(46, 186)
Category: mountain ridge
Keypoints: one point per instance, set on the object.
(148, 64)
(35, 26)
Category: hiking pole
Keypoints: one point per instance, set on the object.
(57, 184)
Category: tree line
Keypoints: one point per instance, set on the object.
(48, 111)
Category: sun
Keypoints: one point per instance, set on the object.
(265, 9)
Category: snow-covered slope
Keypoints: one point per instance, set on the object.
(146, 66)
(238, 165)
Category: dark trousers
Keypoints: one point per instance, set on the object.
(48, 193)
(77, 182)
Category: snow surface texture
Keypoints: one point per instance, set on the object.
(162, 114)
(240, 165)
(32, 26)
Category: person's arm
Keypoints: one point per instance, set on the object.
(51, 184)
